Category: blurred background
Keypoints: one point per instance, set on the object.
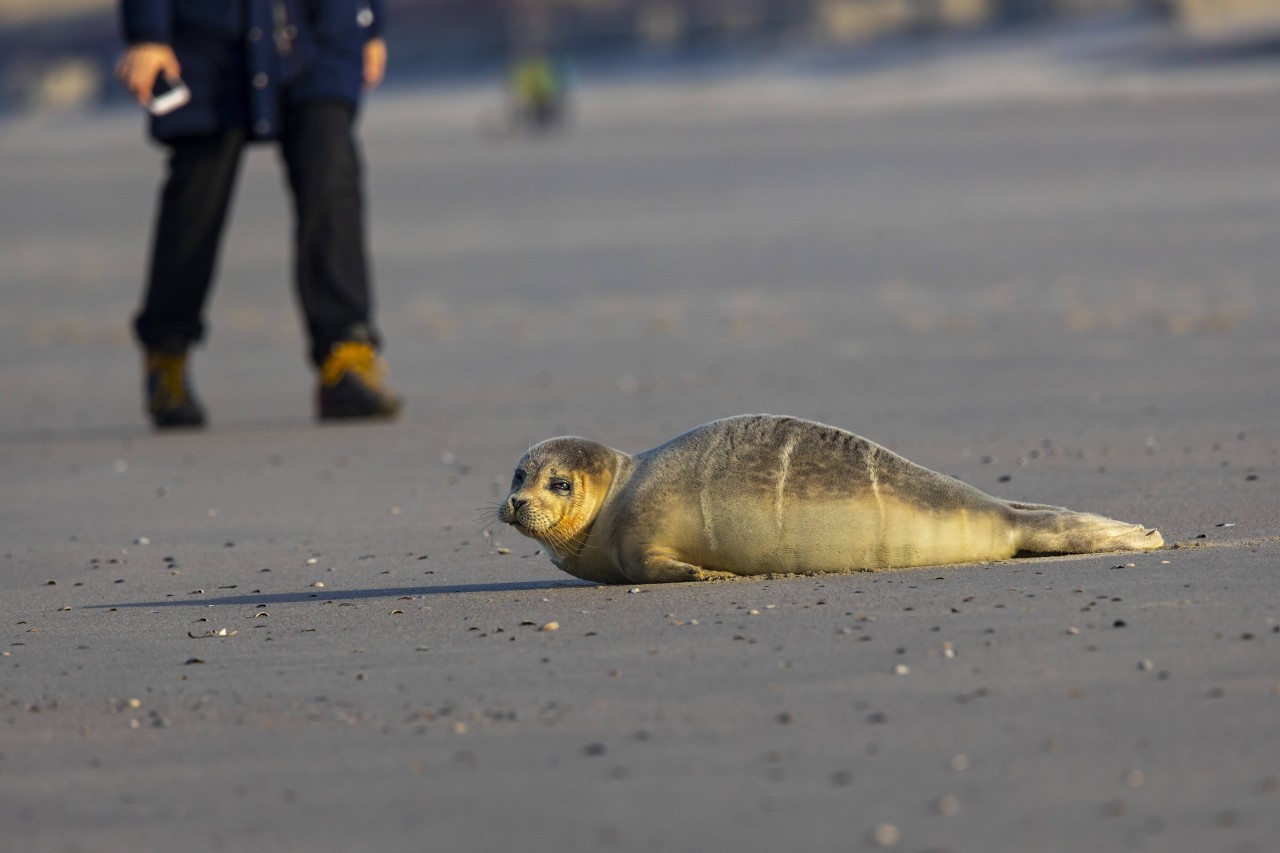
(59, 53)
(1029, 243)
(871, 212)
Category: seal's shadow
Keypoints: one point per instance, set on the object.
(352, 594)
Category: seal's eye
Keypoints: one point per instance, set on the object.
(561, 487)
(518, 478)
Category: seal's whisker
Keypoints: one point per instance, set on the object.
(552, 539)
(559, 543)
(487, 518)
(490, 512)
(568, 544)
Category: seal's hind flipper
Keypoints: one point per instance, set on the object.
(1051, 530)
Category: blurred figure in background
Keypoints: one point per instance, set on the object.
(288, 71)
(537, 81)
(539, 91)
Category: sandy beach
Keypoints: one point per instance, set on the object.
(1054, 280)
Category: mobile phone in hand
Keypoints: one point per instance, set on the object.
(167, 95)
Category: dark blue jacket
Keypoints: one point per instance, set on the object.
(246, 60)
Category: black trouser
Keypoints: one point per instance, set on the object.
(331, 273)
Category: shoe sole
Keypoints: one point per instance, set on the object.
(358, 414)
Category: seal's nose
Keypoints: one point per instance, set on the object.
(517, 504)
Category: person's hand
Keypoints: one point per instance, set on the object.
(375, 62)
(142, 63)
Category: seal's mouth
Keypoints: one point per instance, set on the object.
(519, 522)
(529, 518)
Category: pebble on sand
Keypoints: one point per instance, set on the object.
(886, 835)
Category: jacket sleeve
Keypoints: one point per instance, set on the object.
(376, 27)
(146, 20)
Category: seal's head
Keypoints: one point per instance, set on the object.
(557, 489)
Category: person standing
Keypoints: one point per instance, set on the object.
(290, 72)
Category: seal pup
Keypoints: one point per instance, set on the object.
(763, 494)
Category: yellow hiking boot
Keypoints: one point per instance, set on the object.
(352, 386)
(171, 398)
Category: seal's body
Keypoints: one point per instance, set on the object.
(761, 494)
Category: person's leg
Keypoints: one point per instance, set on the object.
(188, 229)
(331, 267)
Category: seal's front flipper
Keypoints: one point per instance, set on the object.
(1051, 530)
(657, 567)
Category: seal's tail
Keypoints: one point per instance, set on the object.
(1053, 530)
